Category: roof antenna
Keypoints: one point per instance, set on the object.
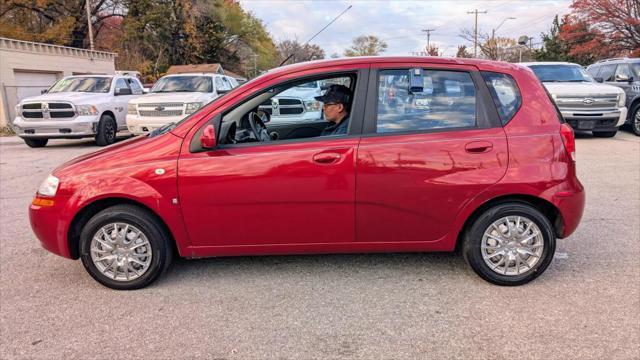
(318, 33)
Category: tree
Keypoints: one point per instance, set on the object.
(553, 48)
(586, 44)
(432, 50)
(618, 21)
(61, 22)
(462, 52)
(366, 45)
(297, 52)
(491, 47)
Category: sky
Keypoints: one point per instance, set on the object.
(400, 23)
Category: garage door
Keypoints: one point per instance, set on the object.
(32, 83)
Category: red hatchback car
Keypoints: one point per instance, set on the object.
(470, 154)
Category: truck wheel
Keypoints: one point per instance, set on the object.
(635, 120)
(605, 134)
(36, 143)
(124, 247)
(107, 129)
(510, 244)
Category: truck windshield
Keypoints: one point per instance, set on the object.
(82, 84)
(309, 85)
(561, 73)
(183, 84)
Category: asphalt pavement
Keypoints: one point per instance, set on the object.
(380, 306)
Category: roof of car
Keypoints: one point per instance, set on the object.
(548, 63)
(194, 74)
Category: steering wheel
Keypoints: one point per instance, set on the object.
(256, 121)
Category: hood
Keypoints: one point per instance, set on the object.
(74, 97)
(302, 93)
(174, 97)
(581, 88)
(128, 153)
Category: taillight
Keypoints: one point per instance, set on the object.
(569, 140)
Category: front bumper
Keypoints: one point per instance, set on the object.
(50, 226)
(78, 127)
(138, 125)
(603, 120)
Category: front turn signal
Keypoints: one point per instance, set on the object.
(38, 201)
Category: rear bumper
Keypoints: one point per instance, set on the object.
(50, 226)
(571, 206)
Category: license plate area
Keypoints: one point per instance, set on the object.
(586, 124)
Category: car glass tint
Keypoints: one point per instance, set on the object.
(82, 84)
(183, 84)
(448, 100)
(505, 93)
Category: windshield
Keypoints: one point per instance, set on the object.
(309, 85)
(183, 84)
(82, 84)
(561, 73)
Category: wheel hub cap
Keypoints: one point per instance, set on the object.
(512, 245)
(121, 251)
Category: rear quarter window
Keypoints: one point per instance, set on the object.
(505, 93)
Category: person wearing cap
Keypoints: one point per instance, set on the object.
(336, 106)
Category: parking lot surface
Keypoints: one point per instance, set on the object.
(379, 306)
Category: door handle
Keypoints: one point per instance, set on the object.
(478, 147)
(326, 158)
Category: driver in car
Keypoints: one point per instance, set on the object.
(336, 105)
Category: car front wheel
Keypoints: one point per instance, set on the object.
(107, 129)
(510, 244)
(124, 247)
(36, 143)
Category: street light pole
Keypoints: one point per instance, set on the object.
(493, 35)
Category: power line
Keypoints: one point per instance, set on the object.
(475, 32)
(428, 31)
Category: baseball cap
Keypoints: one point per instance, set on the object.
(336, 94)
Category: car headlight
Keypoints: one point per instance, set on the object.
(312, 105)
(192, 107)
(621, 99)
(131, 109)
(49, 186)
(86, 110)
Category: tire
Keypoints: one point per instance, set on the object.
(634, 121)
(107, 129)
(100, 251)
(523, 272)
(605, 134)
(36, 143)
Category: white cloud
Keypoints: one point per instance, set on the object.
(400, 22)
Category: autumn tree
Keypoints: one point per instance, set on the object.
(586, 44)
(297, 52)
(366, 45)
(490, 46)
(432, 50)
(60, 22)
(553, 47)
(462, 52)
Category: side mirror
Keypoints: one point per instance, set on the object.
(598, 79)
(208, 137)
(122, 91)
(222, 91)
(44, 91)
(416, 80)
(622, 77)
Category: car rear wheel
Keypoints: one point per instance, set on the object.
(510, 244)
(635, 120)
(605, 134)
(124, 247)
(36, 143)
(107, 129)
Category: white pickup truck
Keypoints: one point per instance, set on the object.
(173, 97)
(584, 103)
(77, 107)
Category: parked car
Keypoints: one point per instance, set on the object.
(173, 97)
(498, 182)
(625, 74)
(584, 104)
(77, 107)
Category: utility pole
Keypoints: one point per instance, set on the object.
(475, 32)
(428, 31)
(87, 6)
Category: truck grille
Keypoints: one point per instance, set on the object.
(48, 110)
(589, 102)
(283, 106)
(161, 109)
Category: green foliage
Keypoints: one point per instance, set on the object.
(554, 48)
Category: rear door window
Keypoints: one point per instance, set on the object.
(448, 101)
(505, 93)
(607, 72)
